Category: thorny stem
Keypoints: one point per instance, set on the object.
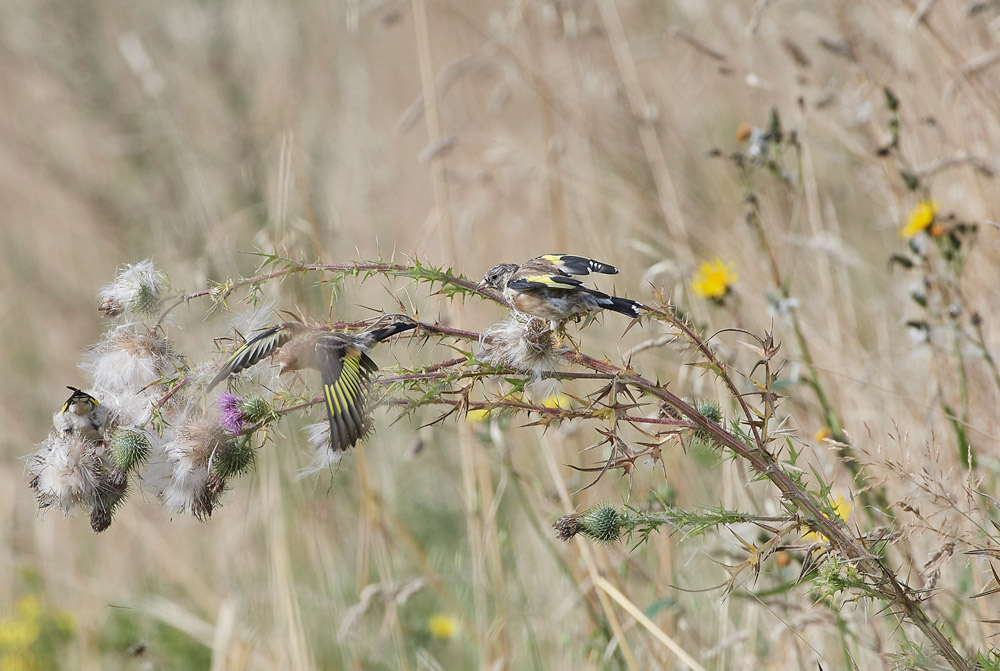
(883, 581)
(709, 355)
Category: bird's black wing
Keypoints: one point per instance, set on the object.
(251, 352)
(346, 372)
(575, 265)
(544, 281)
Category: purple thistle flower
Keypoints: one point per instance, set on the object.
(230, 415)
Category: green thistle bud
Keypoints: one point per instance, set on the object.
(236, 458)
(146, 299)
(710, 410)
(255, 410)
(129, 449)
(601, 522)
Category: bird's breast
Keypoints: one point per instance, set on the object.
(551, 304)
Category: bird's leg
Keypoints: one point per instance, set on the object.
(559, 332)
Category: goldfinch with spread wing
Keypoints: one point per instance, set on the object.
(341, 358)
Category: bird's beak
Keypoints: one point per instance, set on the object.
(482, 285)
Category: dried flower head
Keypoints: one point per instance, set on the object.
(110, 495)
(126, 366)
(192, 486)
(129, 359)
(66, 471)
(523, 343)
(135, 292)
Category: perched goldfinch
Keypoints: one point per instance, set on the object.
(82, 415)
(341, 358)
(544, 287)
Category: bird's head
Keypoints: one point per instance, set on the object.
(80, 403)
(497, 276)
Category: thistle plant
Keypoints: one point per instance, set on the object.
(167, 438)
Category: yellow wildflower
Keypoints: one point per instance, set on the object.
(921, 217)
(477, 415)
(558, 401)
(713, 279)
(822, 434)
(841, 508)
(442, 625)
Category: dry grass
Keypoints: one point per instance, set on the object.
(191, 132)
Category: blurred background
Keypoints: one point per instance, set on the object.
(465, 134)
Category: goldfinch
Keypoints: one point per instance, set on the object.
(544, 287)
(341, 358)
(81, 415)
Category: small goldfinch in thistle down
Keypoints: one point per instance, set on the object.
(341, 358)
(544, 287)
(81, 415)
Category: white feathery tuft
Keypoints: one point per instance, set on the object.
(523, 343)
(318, 439)
(136, 291)
(66, 471)
(125, 367)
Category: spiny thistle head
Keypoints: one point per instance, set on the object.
(602, 523)
(256, 410)
(710, 410)
(135, 291)
(128, 449)
(237, 413)
(231, 416)
(236, 458)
